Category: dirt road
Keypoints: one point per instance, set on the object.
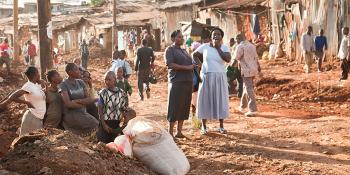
(302, 127)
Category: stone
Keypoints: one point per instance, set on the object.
(45, 171)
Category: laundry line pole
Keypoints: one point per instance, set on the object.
(114, 27)
(45, 35)
(15, 31)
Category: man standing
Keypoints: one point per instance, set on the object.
(4, 55)
(248, 61)
(144, 64)
(236, 70)
(84, 54)
(321, 45)
(308, 46)
(31, 53)
(343, 54)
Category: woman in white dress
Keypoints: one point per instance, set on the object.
(213, 96)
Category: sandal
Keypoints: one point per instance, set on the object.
(204, 131)
(222, 131)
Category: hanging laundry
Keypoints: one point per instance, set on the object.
(256, 24)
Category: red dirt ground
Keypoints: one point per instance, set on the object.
(301, 128)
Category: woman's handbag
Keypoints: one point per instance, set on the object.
(152, 78)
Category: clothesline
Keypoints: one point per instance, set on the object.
(242, 13)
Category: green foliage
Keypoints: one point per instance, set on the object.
(97, 3)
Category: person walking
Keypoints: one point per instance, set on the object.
(308, 46)
(213, 96)
(248, 61)
(236, 71)
(25, 54)
(144, 63)
(5, 55)
(84, 54)
(180, 72)
(343, 54)
(31, 52)
(320, 46)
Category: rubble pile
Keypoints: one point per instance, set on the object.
(54, 151)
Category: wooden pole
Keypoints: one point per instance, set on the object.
(114, 28)
(45, 35)
(15, 31)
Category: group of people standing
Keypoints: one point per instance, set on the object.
(213, 95)
(318, 45)
(312, 45)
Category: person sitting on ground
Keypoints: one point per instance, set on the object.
(112, 106)
(54, 102)
(91, 108)
(121, 62)
(34, 98)
(76, 98)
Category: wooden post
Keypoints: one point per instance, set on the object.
(15, 31)
(45, 35)
(114, 27)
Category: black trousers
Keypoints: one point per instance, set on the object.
(239, 88)
(104, 136)
(143, 78)
(345, 64)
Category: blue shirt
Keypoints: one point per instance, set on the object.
(320, 42)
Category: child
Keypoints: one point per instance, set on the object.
(123, 83)
(112, 106)
(77, 61)
(120, 62)
(54, 103)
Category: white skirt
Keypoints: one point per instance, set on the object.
(213, 96)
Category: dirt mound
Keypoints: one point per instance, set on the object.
(97, 51)
(61, 152)
(274, 89)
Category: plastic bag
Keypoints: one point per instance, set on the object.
(124, 145)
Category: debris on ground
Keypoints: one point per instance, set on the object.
(53, 151)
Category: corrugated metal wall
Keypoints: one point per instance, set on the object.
(227, 22)
(319, 14)
(173, 17)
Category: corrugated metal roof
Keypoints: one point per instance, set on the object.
(230, 4)
(177, 3)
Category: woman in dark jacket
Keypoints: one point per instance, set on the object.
(180, 72)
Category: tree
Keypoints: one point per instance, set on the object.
(97, 3)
